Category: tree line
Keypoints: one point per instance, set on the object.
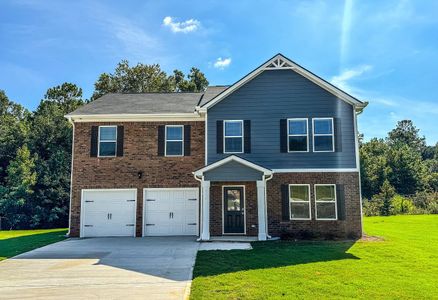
(399, 174)
(35, 147)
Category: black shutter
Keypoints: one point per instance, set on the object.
(247, 136)
(161, 137)
(285, 202)
(338, 134)
(120, 139)
(220, 136)
(283, 135)
(94, 137)
(187, 135)
(340, 201)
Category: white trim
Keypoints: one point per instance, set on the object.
(232, 136)
(205, 203)
(170, 189)
(136, 117)
(285, 64)
(345, 170)
(232, 158)
(182, 140)
(206, 139)
(81, 233)
(223, 209)
(356, 141)
(108, 141)
(71, 176)
(308, 194)
(261, 210)
(335, 202)
(289, 135)
(323, 134)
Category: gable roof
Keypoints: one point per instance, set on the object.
(234, 158)
(280, 62)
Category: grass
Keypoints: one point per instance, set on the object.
(14, 242)
(402, 266)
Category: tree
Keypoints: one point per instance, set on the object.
(143, 78)
(406, 133)
(386, 193)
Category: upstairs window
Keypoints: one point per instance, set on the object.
(325, 202)
(297, 135)
(323, 137)
(107, 141)
(233, 136)
(174, 140)
(299, 201)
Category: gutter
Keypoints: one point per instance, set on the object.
(71, 173)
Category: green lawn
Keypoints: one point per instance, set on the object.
(14, 242)
(402, 266)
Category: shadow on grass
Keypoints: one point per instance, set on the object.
(13, 246)
(270, 255)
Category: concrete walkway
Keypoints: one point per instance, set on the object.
(102, 268)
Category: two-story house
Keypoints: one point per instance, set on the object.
(276, 152)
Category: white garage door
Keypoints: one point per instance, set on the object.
(170, 211)
(108, 213)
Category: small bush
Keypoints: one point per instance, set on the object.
(401, 205)
(372, 207)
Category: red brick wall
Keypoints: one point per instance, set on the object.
(350, 227)
(140, 154)
(216, 207)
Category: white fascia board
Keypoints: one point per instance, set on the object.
(300, 70)
(230, 158)
(135, 117)
(345, 170)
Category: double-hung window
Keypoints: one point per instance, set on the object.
(233, 136)
(297, 133)
(323, 136)
(325, 202)
(174, 145)
(107, 141)
(299, 201)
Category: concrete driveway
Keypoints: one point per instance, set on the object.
(102, 268)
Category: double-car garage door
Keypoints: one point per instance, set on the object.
(166, 211)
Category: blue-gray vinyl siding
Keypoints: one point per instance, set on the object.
(282, 94)
(233, 171)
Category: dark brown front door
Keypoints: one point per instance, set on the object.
(234, 210)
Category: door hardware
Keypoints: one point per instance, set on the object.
(150, 199)
(193, 199)
(130, 200)
(89, 200)
(88, 225)
(191, 223)
(129, 224)
(150, 224)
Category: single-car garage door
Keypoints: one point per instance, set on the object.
(108, 212)
(172, 211)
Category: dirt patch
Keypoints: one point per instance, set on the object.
(371, 238)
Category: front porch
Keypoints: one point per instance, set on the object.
(233, 200)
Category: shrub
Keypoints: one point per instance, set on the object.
(401, 205)
(372, 207)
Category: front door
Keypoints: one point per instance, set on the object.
(234, 210)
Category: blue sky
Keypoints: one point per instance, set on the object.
(384, 52)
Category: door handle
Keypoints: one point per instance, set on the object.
(170, 215)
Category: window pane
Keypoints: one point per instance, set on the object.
(299, 210)
(297, 127)
(323, 126)
(323, 143)
(107, 149)
(107, 133)
(233, 144)
(233, 200)
(233, 128)
(174, 133)
(326, 210)
(174, 148)
(297, 143)
(325, 193)
(299, 193)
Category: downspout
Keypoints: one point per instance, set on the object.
(266, 205)
(71, 174)
(200, 208)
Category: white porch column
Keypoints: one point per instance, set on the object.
(261, 209)
(205, 232)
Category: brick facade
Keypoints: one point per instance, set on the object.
(140, 154)
(349, 227)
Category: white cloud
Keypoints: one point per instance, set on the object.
(342, 79)
(184, 27)
(222, 63)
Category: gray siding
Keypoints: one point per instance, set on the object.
(233, 171)
(282, 94)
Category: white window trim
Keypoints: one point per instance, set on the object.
(109, 141)
(335, 202)
(166, 140)
(323, 134)
(307, 134)
(233, 136)
(308, 193)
